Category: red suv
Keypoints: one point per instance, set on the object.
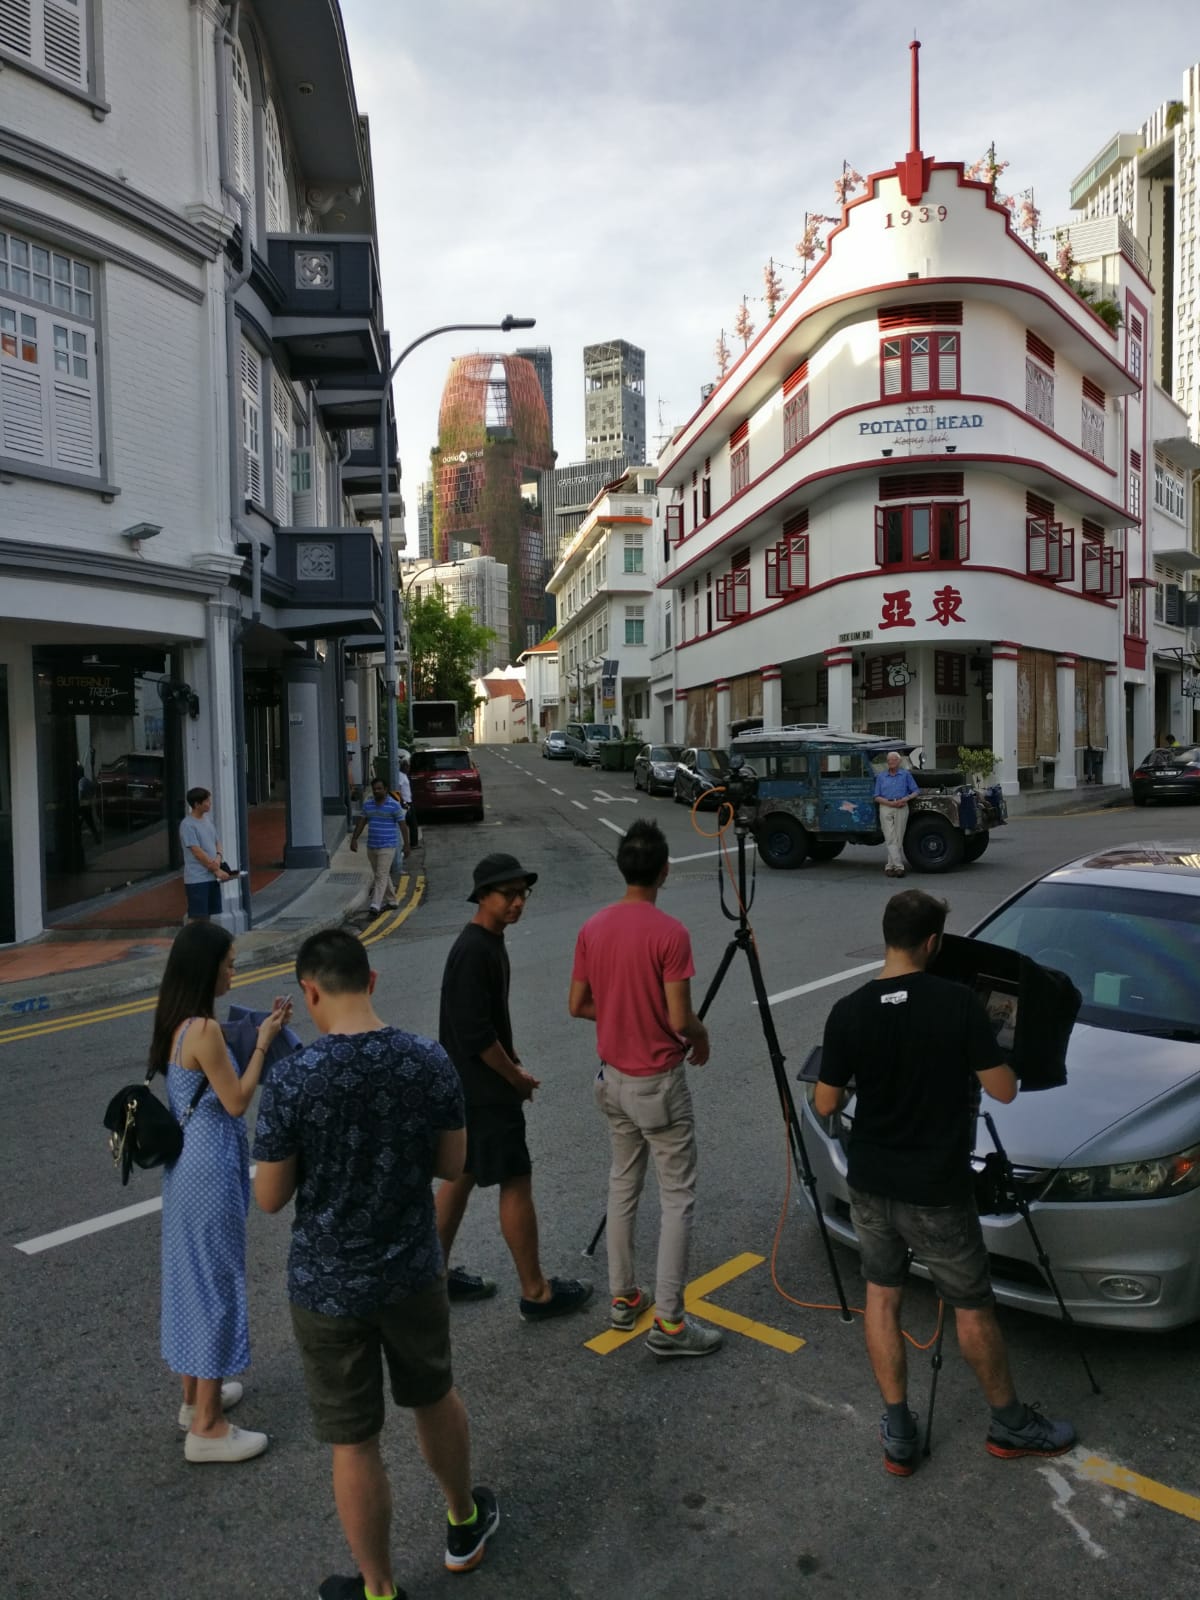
(445, 780)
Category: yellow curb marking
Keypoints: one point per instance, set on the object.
(1158, 1494)
(379, 929)
(695, 1300)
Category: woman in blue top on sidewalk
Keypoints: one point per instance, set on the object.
(206, 1192)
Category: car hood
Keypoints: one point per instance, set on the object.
(1128, 1097)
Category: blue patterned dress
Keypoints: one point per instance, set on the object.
(206, 1195)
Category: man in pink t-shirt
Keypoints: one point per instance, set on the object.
(633, 966)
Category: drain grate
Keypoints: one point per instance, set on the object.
(346, 878)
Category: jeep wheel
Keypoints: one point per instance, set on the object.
(932, 845)
(974, 847)
(826, 849)
(781, 842)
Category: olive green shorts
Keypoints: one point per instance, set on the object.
(343, 1359)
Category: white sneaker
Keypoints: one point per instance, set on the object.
(239, 1444)
(231, 1393)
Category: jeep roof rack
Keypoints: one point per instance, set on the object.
(822, 733)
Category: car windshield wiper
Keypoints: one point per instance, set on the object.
(1165, 1031)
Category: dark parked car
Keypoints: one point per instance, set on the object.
(1110, 1161)
(1167, 774)
(445, 780)
(131, 790)
(697, 771)
(654, 767)
(555, 746)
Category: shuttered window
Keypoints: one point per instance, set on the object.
(49, 388)
(917, 364)
(252, 445)
(241, 127)
(50, 34)
(325, 514)
(281, 450)
(278, 219)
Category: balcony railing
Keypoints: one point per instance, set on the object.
(331, 568)
(327, 303)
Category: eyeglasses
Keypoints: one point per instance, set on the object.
(511, 892)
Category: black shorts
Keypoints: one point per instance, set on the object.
(496, 1148)
(343, 1362)
(203, 899)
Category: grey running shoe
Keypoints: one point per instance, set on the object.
(690, 1340)
(900, 1451)
(1037, 1436)
(626, 1309)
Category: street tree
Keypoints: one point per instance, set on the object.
(446, 645)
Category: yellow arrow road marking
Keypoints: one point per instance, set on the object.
(379, 929)
(695, 1300)
(1158, 1494)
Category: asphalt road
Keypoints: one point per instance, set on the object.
(756, 1472)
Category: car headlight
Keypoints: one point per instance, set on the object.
(1156, 1179)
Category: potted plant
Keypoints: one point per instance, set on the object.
(977, 764)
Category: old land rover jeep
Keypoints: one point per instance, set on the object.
(815, 796)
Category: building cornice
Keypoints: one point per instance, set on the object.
(102, 192)
(25, 558)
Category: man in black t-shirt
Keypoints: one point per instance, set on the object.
(475, 1030)
(919, 1049)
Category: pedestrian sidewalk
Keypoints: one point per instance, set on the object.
(82, 965)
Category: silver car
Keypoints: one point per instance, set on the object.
(1110, 1164)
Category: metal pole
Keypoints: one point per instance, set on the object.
(385, 516)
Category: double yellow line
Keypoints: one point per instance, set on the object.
(380, 928)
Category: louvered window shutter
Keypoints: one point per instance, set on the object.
(241, 129)
(64, 39)
(919, 359)
(74, 423)
(16, 28)
(252, 424)
(304, 503)
(281, 450)
(277, 197)
(323, 516)
(24, 412)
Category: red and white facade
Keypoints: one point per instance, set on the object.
(911, 506)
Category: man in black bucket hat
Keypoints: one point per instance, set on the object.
(476, 1032)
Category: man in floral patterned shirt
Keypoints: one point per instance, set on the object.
(355, 1127)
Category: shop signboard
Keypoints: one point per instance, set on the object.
(92, 691)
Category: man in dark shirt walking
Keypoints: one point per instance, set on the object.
(919, 1049)
(476, 1032)
(356, 1126)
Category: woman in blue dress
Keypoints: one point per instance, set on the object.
(206, 1193)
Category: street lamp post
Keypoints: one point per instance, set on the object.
(506, 325)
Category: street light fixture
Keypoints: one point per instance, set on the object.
(505, 325)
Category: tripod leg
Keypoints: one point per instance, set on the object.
(800, 1159)
(710, 994)
(935, 1362)
(1043, 1259)
(600, 1227)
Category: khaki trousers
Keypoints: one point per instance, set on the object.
(382, 893)
(650, 1116)
(893, 820)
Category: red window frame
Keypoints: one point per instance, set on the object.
(739, 468)
(1103, 570)
(795, 418)
(674, 523)
(787, 566)
(1049, 550)
(908, 371)
(733, 595)
(907, 519)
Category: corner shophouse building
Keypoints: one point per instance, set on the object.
(190, 329)
(911, 505)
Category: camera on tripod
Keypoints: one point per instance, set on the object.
(739, 790)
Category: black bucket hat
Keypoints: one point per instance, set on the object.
(496, 869)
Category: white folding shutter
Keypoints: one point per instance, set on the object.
(252, 423)
(16, 27)
(919, 361)
(241, 128)
(281, 449)
(277, 198)
(65, 43)
(304, 511)
(74, 427)
(323, 518)
(24, 419)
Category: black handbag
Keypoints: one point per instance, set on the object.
(141, 1130)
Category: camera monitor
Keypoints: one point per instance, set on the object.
(1032, 1008)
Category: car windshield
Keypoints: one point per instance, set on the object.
(1178, 757)
(598, 730)
(1133, 954)
(556, 738)
(440, 761)
(665, 752)
(712, 760)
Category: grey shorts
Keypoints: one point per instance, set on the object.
(946, 1240)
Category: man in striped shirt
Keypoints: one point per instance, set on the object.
(381, 817)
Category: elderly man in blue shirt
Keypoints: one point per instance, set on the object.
(893, 790)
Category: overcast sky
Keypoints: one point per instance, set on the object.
(624, 168)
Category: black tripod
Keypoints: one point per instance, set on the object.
(1007, 1196)
(743, 940)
